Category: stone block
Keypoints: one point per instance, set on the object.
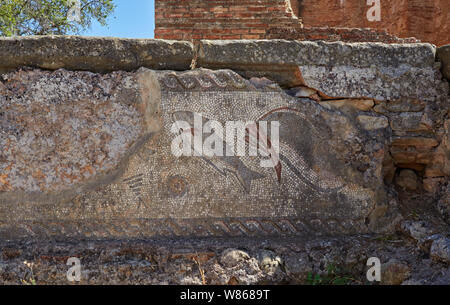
(338, 70)
(93, 54)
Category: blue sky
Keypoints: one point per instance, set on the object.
(131, 19)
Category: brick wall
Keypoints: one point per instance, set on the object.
(427, 20)
(226, 19)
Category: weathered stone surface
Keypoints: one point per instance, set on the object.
(304, 53)
(88, 155)
(418, 230)
(355, 104)
(415, 141)
(302, 91)
(328, 181)
(408, 180)
(408, 121)
(443, 54)
(394, 272)
(269, 261)
(232, 257)
(372, 122)
(93, 54)
(401, 106)
(440, 249)
(171, 262)
(337, 70)
(432, 185)
(59, 129)
(443, 205)
(442, 154)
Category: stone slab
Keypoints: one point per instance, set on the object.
(338, 70)
(328, 180)
(95, 54)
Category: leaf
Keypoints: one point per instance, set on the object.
(23, 17)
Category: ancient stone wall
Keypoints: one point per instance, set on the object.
(86, 130)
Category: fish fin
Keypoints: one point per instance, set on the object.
(278, 169)
(220, 169)
(247, 176)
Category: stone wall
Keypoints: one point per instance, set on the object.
(86, 133)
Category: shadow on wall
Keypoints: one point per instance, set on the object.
(296, 6)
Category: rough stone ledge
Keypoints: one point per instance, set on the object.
(95, 54)
(335, 69)
(221, 261)
(287, 52)
(104, 54)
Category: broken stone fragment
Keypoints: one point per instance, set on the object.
(404, 105)
(434, 170)
(298, 267)
(302, 91)
(418, 230)
(432, 185)
(440, 166)
(443, 204)
(356, 104)
(408, 180)
(269, 261)
(232, 257)
(93, 54)
(443, 54)
(262, 82)
(335, 69)
(408, 121)
(371, 123)
(415, 141)
(394, 272)
(404, 155)
(440, 250)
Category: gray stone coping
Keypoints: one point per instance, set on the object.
(102, 54)
(96, 54)
(336, 69)
(235, 53)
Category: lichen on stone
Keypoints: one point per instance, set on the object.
(61, 128)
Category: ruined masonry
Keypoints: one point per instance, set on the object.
(305, 20)
(85, 136)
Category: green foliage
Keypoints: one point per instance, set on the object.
(43, 17)
(334, 276)
(314, 279)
